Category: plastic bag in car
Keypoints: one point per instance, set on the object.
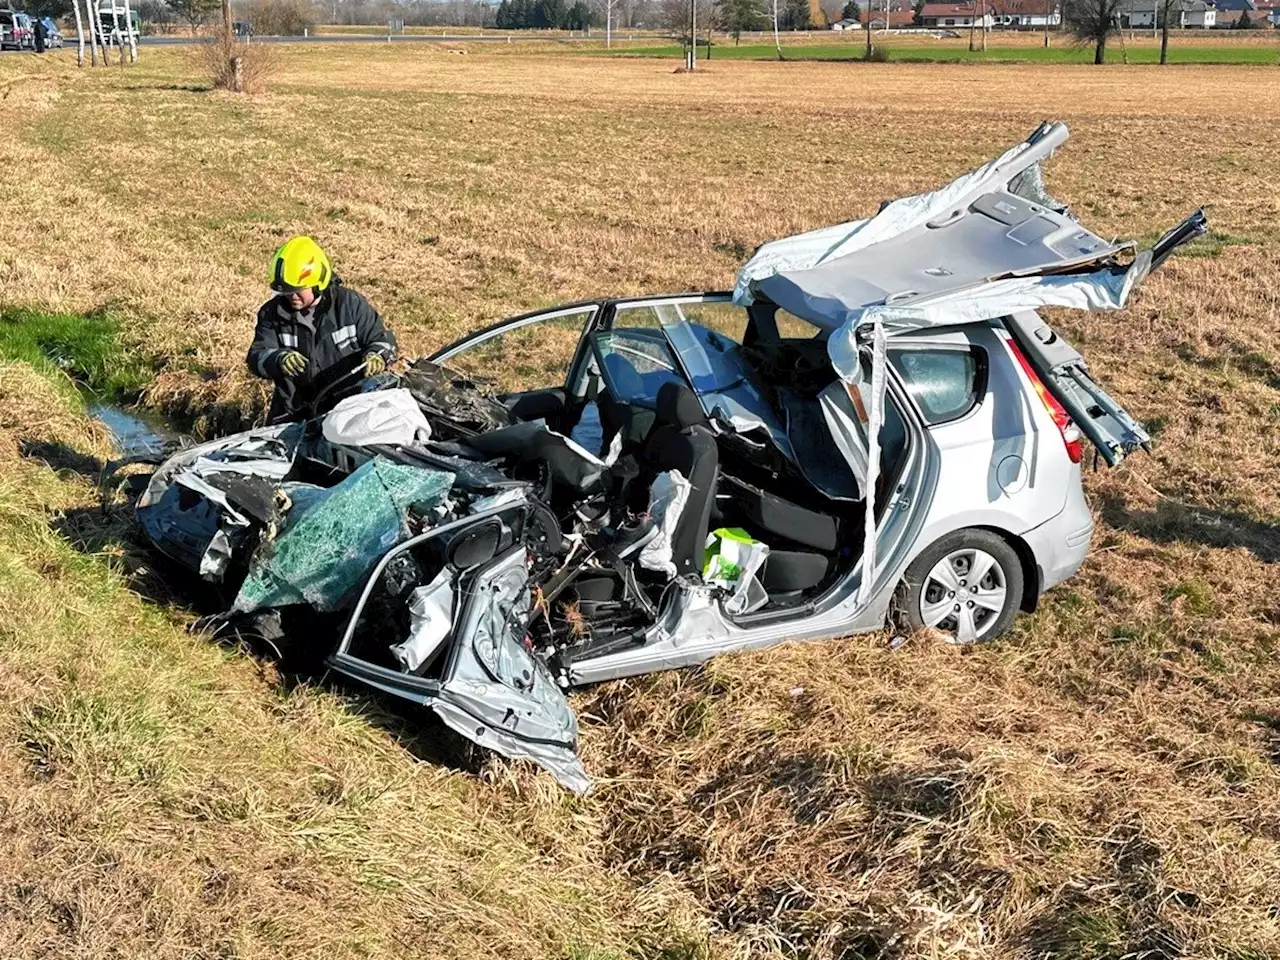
(731, 561)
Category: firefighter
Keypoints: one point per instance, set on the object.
(313, 332)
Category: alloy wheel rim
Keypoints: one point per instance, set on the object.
(964, 595)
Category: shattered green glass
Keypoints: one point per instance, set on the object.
(332, 539)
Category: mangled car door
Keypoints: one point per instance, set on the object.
(1065, 374)
(486, 685)
(1063, 371)
(495, 691)
(533, 353)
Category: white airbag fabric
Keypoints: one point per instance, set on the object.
(382, 417)
(668, 495)
(431, 617)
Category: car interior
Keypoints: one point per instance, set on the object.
(762, 460)
(752, 442)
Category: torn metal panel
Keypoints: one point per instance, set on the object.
(430, 619)
(195, 519)
(496, 692)
(973, 229)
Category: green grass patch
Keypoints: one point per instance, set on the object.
(940, 53)
(84, 352)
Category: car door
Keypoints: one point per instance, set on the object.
(491, 688)
(530, 361)
(1112, 430)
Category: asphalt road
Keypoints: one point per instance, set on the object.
(179, 40)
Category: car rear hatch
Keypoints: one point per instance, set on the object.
(1065, 374)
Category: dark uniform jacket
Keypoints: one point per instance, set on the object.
(333, 334)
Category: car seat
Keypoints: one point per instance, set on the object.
(681, 439)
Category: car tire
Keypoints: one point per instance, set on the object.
(937, 591)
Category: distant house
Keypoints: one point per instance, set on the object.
(1026, 14)
(1229, 12)
(1197, 14)
(957, 15)
(1188, 14)
(1140, 14)
(897, 19)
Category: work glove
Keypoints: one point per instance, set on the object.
(292, 364)
(374, 364)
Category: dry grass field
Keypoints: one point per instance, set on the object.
(1103, 783)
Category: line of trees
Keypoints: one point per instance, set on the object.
(734, 17)
(543, 15)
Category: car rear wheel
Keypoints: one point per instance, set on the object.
(968, 585)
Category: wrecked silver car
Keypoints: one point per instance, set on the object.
(875, 426)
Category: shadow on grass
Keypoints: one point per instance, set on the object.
(176, 87)
(109, 530)
(1173, 522)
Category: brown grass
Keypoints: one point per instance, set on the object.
(1103, 783)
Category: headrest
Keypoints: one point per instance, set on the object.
(679, 406)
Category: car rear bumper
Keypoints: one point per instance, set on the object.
(1060, 545)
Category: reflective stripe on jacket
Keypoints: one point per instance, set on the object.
(343, 325)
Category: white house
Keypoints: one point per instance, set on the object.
(1192, 14)
(846, 25)
(957, 15)
(1198, 15)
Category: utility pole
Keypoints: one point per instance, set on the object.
(1048, 15)
(226, 18)
(693, 34)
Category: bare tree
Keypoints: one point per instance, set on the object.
(609, 8)
(1167, 9)
(75, 5)
(195, 12)
(133, 39)
(1093, 21)
(95, 12)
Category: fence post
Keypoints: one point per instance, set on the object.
(237, 74)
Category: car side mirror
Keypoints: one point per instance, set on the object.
(476, 546)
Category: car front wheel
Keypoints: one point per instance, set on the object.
(968, 585)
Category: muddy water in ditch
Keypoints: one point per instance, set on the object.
(135, 433)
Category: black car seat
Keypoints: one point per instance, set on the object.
(618, 416)
(681, 439)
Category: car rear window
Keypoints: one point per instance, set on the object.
(945, 383)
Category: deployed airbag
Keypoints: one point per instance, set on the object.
(431, 617)
(383, 416)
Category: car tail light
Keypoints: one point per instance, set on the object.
(1070, 432)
